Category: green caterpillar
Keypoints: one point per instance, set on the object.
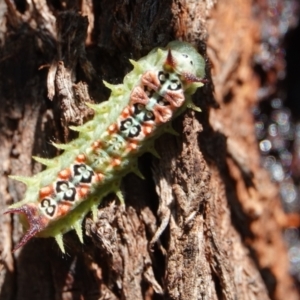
(158, 89)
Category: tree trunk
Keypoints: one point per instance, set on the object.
(206, 223)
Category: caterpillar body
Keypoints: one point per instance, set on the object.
(138, 111)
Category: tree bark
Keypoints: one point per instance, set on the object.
(206, 223)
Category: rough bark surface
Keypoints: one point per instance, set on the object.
(206, 222)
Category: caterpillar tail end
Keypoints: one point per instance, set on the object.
(35, 224)
(29, 234)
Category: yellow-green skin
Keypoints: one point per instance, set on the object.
(138, 111)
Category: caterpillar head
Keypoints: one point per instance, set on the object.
(186, 61)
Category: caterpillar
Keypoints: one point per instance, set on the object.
(158, 89)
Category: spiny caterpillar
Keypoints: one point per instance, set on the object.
(158, 89)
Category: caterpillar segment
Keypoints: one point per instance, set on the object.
(158, 89)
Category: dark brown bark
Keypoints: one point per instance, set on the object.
(206, 222)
